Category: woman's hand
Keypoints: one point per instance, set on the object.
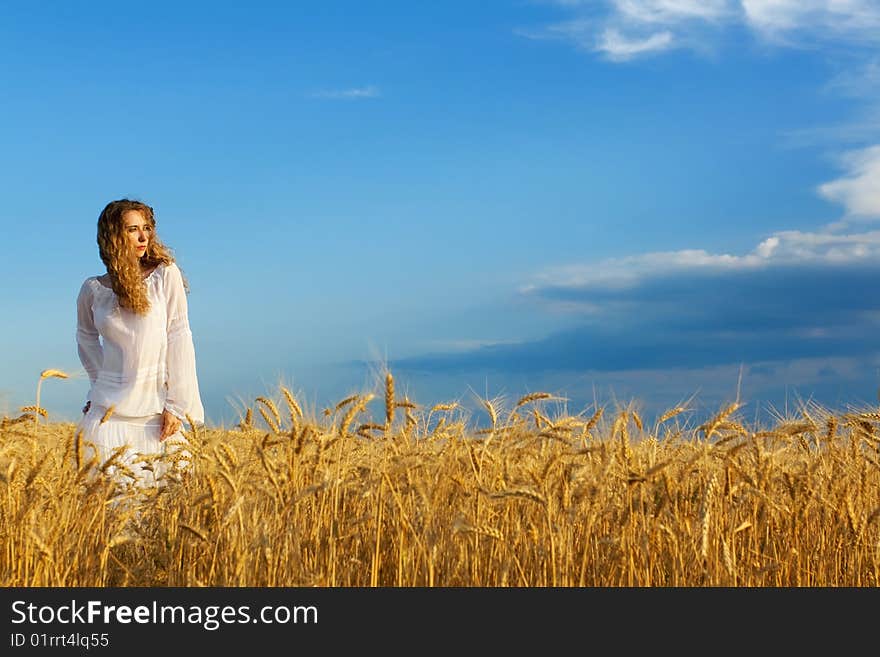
(170, 425)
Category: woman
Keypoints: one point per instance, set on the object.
(143, 368)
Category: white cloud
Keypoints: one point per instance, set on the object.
(624, 29)
(671, 11)
(766, 248)
(775, 15)
(858, 19)
(782, 248)
(348, 94)
(579, 32)
(859, 189)
(797, 247)
(620, 48)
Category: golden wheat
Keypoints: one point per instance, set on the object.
(484, 530)
(248, 420)
(45, 374)
(345, 402)
(268, 403)
(292, 404)
(671, 413)
(389, 399)
(194, 531)
(36, 410)
(354, 409)
(535, 396)
(490, 406)
(706, 515)
(58, 374)
(593, 421)
(310, 508)
(268, 420)
(107, 414)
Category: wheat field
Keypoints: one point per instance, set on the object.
(379, 491)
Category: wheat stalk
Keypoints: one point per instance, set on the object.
(300, 440)
(229, 454)
(269, 421)
(296, 413)
(540, 419)
(410, 419)
(344, 402)
(671, 413)
(710, 427)
(364, 429)
(831, 428)
(46, 374)
(534, 396)
(593, 421)
(193, 530)
(352, 411)
(728, 559)
(637, 419)
(107, 414)
(460, 526)
(793, 428)
(493, 412)
(192, 426)
(248, 420)
(521, 492)
(57, 374)
(268, 403)
(113, 458)
(119, 539)
(855, 524)
(706, 515)
(389, 400)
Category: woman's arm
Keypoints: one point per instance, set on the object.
(91, 353)
(182, 398)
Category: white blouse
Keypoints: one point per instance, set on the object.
(142, 364)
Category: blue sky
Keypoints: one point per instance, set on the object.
(649, 200)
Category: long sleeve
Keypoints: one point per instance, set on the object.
(182, 384)
(91, 353)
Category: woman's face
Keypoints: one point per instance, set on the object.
(138, 231)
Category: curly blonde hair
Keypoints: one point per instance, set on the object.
(126, 277)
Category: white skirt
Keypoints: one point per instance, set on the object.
(145, 461)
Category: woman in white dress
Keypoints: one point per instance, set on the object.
(134, 341)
